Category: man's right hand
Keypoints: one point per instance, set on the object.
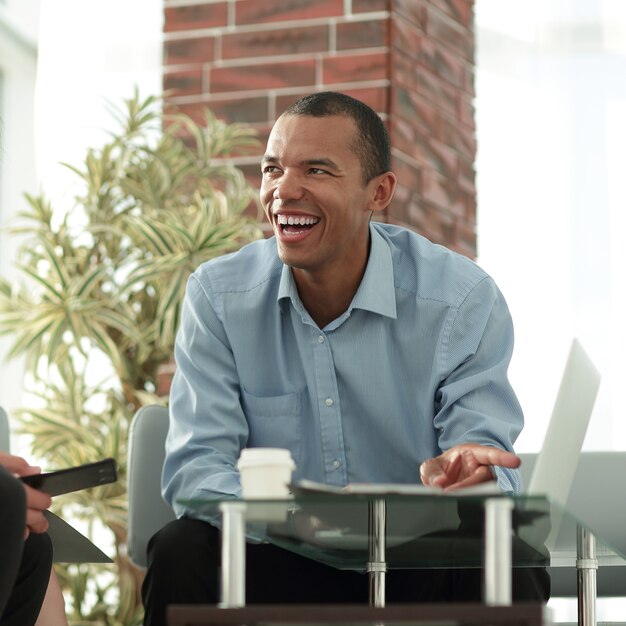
(36, 501)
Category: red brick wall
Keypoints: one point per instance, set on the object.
(411, 60)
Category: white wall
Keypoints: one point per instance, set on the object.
(18, 65)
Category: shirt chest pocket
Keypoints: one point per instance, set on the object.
(274, 421)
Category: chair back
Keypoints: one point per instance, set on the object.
(4, 431)
(598, 499)
(147, 511)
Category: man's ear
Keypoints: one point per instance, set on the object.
(383, 188)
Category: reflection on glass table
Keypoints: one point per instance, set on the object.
(419, 531)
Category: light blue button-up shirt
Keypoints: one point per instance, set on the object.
(417, 364)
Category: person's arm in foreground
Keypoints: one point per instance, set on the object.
(53, 609)
(36, 501)
(478, 415)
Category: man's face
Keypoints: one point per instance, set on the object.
(314, 196)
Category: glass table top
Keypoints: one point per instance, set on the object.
(422, 531)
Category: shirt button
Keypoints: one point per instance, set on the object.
(329, 402)
(336, 464)
(320, 339)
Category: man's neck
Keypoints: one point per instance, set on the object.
(327, 297)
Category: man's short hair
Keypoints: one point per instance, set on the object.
(372, 142)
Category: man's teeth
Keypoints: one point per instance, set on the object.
(291, 220)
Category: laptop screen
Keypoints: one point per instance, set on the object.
(556, 463)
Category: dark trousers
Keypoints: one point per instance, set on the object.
(184, 561)
(24, 565)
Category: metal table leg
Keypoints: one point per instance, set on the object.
(587, 567)
(233, 554)
(498, 547)
(377, 564)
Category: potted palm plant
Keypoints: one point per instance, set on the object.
(97, 311)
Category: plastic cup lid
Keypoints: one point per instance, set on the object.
(265, 455)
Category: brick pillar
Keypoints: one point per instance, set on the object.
(410, 60)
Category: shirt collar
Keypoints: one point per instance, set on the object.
(287, 289)
(376, 292)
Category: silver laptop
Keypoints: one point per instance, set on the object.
(556, 463)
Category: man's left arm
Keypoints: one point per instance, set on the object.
(477, 416)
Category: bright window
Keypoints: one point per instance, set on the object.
(550, 112)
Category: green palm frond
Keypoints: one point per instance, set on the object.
(136, 114)
(83, 287)
(53, 431)
(38, 216)
(52, 292)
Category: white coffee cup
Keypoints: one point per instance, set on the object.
(265, 473)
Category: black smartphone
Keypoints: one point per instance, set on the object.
(74, 478)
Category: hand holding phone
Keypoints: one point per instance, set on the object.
(73, 478)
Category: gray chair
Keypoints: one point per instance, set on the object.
(4, 431)
(598, 499)
(147, 511)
